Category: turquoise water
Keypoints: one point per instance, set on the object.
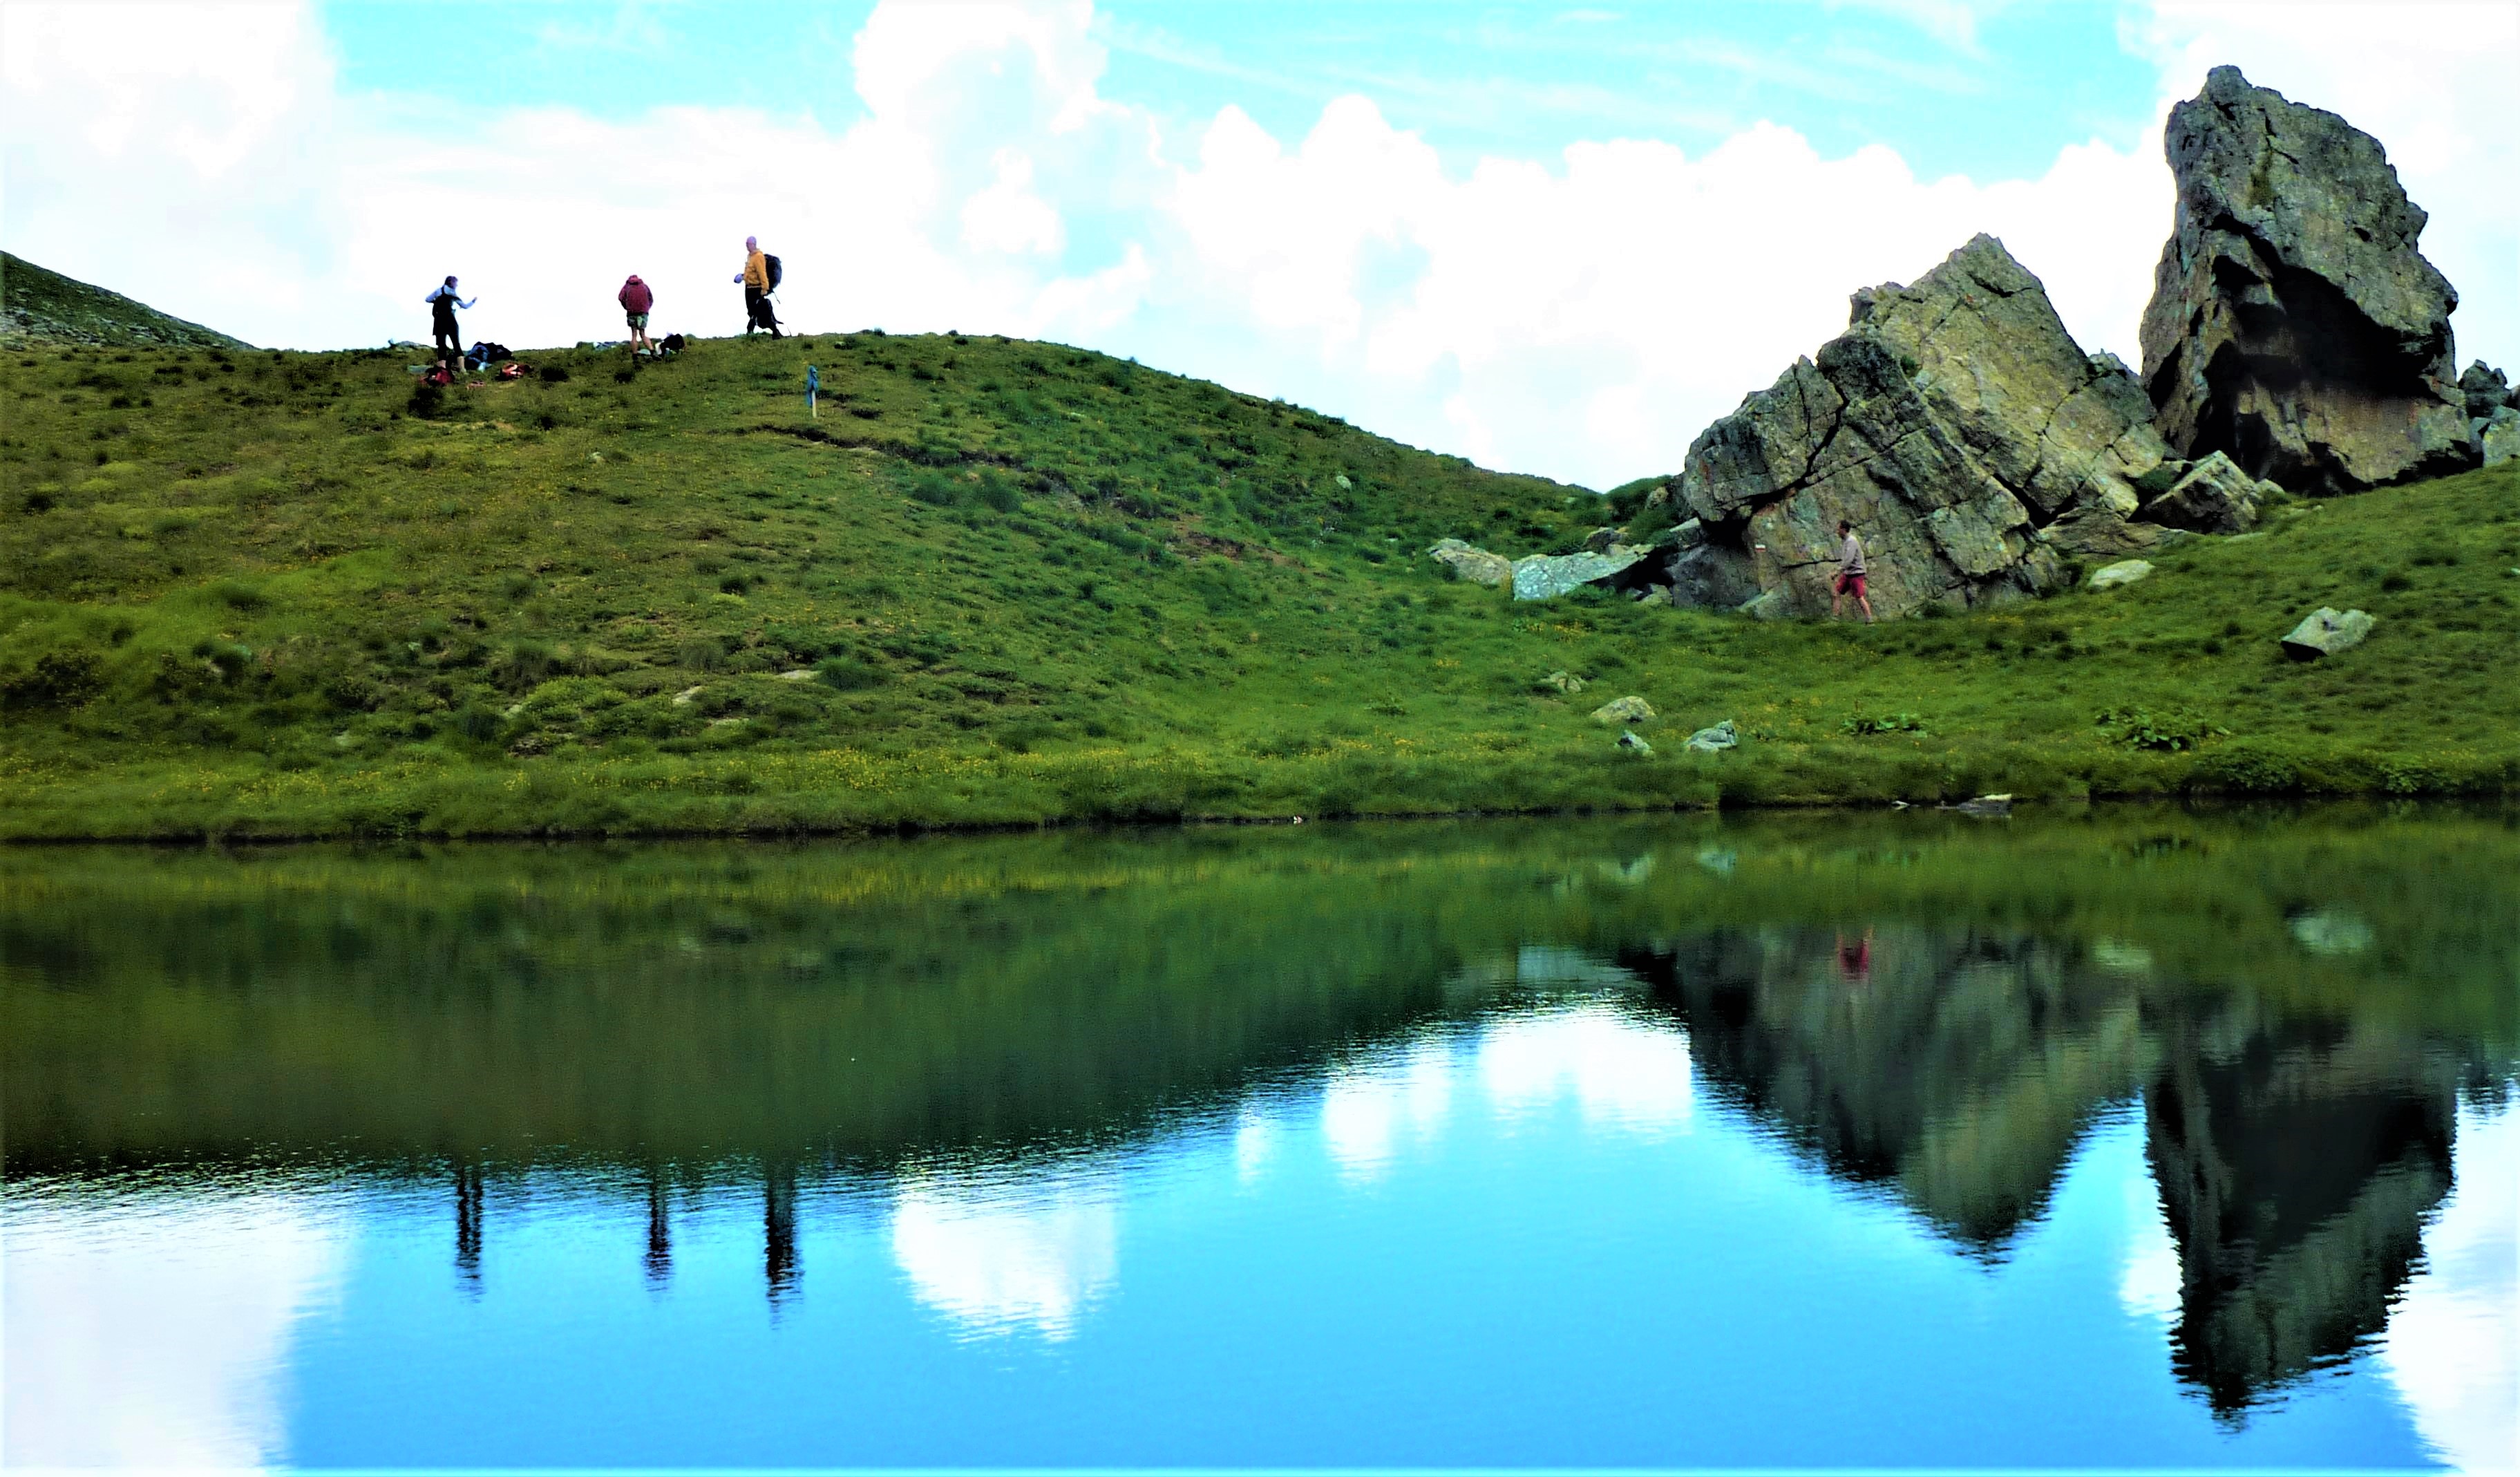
(1760, 1143)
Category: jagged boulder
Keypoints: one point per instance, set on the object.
(1955, 424)
(2484, 390)
(2326, 631)
(2215, 497)
(1476, 565)
(2499, 437)
(2293, 325)
(1545, 577)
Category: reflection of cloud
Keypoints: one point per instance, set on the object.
(1364, 1109)
(1255, 1142)
(2452, 1346)
(995, 1257)
(1620, 1072)
(2148, 1282)
(156, 1336)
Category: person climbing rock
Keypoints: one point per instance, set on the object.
(1849, 574)
(756, 278)
(442, 305)
(637, 300)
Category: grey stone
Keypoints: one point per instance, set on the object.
(2125, 572)
(2326, 631)
(1712, 577)
(1715, 739)
(1470, 563)
(1564, 681)
(2293, 324)
(2215, 497)
(1627, 710)
(2484, 390)
(1599, 540)
(1953, 424)
(2500, 436)
(1628, 740)
(1545, 577)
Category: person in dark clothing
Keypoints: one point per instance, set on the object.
(756, 278)
(441, 323)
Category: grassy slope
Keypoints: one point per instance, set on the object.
(39, 306)
(277, 594)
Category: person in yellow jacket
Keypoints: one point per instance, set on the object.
(756, 278)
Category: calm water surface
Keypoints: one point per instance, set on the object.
(2125, 1139)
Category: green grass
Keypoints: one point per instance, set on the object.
(39, 306)
(264, 593)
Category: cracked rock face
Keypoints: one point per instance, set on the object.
(1955, 424)
(2293, 325)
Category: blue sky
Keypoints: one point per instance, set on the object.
(1553, 239)
(1483, 79)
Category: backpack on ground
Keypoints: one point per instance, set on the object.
(671, 343)
(770, 264)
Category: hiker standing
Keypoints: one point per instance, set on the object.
(635, 302)
(441, 323)
(756, 278)
(1849, 574)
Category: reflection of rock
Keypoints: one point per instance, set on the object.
(1908, 1059)
(2331, 931)
(2296, 1171)
(2293, 325)
(997, 1256)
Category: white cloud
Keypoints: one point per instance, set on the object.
(1000, 1257)
(2453, 1344)
(1582, 317)
(158, 1336)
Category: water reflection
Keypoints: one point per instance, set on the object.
(991, 1060)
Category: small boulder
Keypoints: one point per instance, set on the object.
(1470, 563)
(2123, 572)
(2485, 390)
(1545, 577)
(1629, 741)
(1564, 681)
(2215, 497)
(2500, 436)
(1985, 805)
(1598, 541)
(1715, 740)
(1627, 710)
(2326, 631)
(683, 699)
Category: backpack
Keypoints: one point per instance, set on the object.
(671, 343)
(770, 264)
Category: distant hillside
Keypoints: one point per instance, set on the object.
(39, 306)
(999, 582)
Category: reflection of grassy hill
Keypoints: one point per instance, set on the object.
(287, 595)
(41, 307)
(703, 1001)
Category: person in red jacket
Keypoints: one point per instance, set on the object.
(636, 300)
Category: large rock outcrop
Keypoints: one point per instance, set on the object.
(1955, 424)
(2293, 325)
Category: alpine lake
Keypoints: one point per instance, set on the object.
(2100, 1138)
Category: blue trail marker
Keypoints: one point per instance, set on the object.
(813, 385)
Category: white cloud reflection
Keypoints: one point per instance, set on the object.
(159, 1337)
(2453, 1344)
(1002, 1255)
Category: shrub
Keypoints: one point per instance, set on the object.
(1864, 725)
(57, 679)
(2172, 730)
(849, 673)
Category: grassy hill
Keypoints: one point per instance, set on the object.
(999, 582)
(42, 306)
